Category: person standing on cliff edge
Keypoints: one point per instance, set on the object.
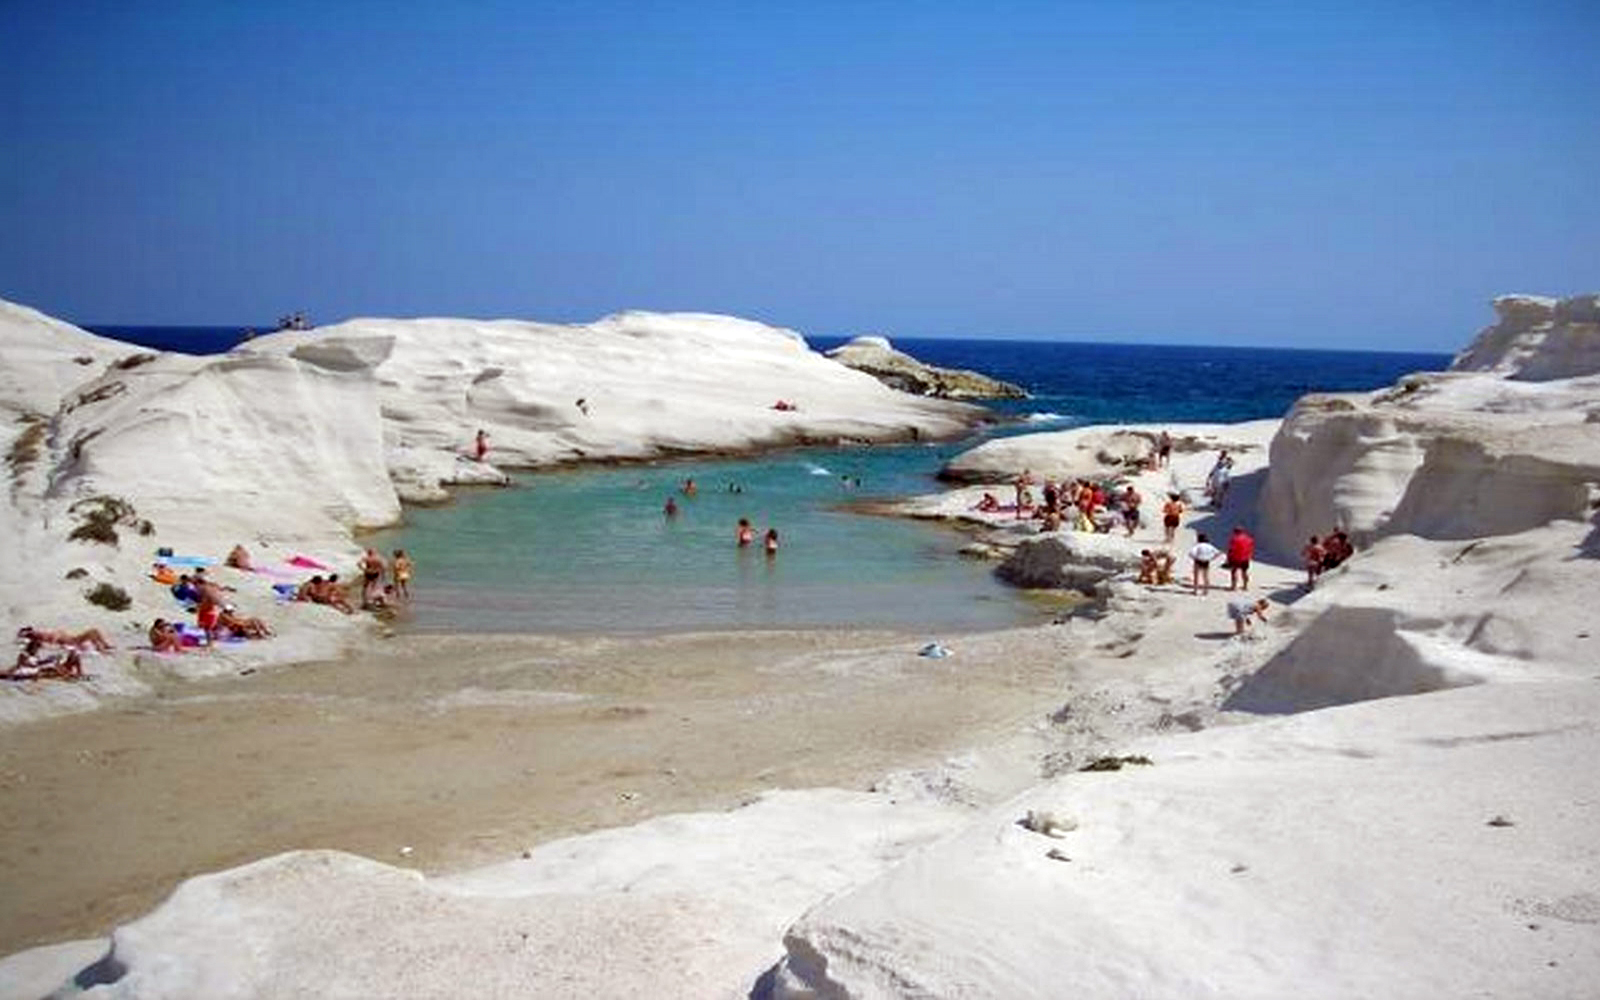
(480, 444)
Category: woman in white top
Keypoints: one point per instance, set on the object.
(1201, 556)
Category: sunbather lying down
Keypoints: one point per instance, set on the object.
(34, 664)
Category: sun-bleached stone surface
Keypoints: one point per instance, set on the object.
(1431, 786)
(1449, 455)
(630, 386)
(1070, 560)
(897, 369)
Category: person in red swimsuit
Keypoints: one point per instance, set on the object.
(1241, 549)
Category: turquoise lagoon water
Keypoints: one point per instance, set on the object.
(591, 550)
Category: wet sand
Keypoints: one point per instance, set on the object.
(469, 750)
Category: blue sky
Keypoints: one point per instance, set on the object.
(1330, 175)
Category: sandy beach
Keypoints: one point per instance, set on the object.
(468, 750)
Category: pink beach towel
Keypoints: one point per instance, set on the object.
(306, 562)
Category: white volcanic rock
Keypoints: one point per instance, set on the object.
(1537, 339)
(1070, 560)
(45, 359)
(1506, 441)
(1442, 456)
(1331, 854)
(630, 386)
(1420, 847)
(899, 370)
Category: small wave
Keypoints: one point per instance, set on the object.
(817, 470)
(1046, 418)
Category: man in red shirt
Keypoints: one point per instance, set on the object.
(1241, 549)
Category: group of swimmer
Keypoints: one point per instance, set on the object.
(744, 533)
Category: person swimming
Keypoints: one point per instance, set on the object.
(772, 541)
(745, 534)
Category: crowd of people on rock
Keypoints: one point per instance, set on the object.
(1079, 504)
(217, 618)
(1087, 505)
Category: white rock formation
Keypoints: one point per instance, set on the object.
(1538, 339)
(1070, 560)
(634, 385)
(1442, 456)
(1331, 854)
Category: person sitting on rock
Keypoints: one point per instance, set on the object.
(242, 626)
(1165, 561)
(184, 590)
(239, 558)
(164, 637)
(333, 595)
(988, 504)
(310, 590)
(1147, 567)
(35, 664)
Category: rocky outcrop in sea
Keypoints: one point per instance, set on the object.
(898, 370)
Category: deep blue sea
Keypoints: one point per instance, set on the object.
(590, 550)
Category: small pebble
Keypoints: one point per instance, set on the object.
(405, 852)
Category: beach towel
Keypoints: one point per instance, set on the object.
(188, 560)
(280, 572)
(306, 562)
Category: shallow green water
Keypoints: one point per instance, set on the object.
(591, 550)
